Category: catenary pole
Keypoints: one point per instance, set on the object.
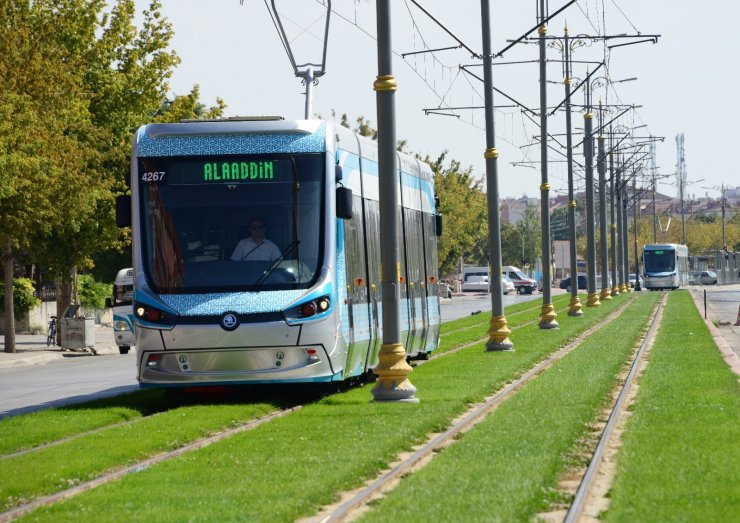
(601, 167)
(575, 307)
(392, 369)
(547, 313)
(588, 150)
(612, 218)
(498, 332)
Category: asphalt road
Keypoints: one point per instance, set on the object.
(79, 376)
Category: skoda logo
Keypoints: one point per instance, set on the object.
(229, 321)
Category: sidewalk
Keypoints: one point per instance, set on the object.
(31, 349)
(722, 313)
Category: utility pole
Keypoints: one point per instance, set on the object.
(392, 370)
(574, 308)
(601, 167)
(625, 240)
(547, 314)
(588, 151)
(654, 169)
(635, 217)
(498, 333)
(612, 217)
(681, 179)
(620, 224)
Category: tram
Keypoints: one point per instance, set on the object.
(305, 307)
(665, 266)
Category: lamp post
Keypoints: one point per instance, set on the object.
(392, 370)
(547, 313)
(575, 307)
(498, 333)
(601, 167)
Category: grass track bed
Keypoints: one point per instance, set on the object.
(680, 459)
(49, 470)
(289, 467)
(506, 467)
(472, 328)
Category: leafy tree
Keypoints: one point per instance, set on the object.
(92, 293)
(24, 298)
(465, 214)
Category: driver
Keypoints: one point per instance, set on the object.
(256, 247)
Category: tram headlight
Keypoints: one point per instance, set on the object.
(308, 309)
(151, 314)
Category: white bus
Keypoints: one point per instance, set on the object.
(665, 266)
(123, 310)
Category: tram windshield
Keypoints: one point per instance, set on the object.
(663, 260)
(231, 223)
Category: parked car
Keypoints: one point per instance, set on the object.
(702, 278)
(478, 283)
(444, 290)
(633, 279)
(582, 282)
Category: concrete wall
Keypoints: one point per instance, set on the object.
(40, 315)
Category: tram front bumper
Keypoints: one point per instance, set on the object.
(235, 366)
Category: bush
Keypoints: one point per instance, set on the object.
(24, 296)
(92, 294)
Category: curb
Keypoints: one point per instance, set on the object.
(732, 359)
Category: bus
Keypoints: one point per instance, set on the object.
(311, 314)
(123, 311)
(665, 266)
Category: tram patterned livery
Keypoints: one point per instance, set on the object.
(206, 315)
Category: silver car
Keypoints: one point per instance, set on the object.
(702, 278)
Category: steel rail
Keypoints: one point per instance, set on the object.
(476, 414)
(584, 488)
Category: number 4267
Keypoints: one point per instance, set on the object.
(153, 176)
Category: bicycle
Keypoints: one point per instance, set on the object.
(51, 333)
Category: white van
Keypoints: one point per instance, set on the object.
(476, 279)
(522, 284)
(123, 310)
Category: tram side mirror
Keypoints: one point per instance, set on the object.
(438, 224)
(123, 210)
(338, 175)
(344, 203)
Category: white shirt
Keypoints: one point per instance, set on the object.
(248, 250)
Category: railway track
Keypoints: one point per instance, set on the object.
(465, 422)
(586, 488)
(353, 503)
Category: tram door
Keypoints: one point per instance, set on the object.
(371, 209)
(358, 303)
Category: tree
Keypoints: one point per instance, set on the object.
(76, 80)
(45, 129)
(465, 213)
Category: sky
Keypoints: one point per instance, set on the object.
(686, 82)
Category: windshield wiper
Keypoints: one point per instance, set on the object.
(288, 249)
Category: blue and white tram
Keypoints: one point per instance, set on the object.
(312, 314)
(665, 265)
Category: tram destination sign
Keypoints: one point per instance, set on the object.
(214, 171)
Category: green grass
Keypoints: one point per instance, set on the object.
(289, 467)
(507, 467)
(26, 431)
(473, 328)
(680, 460)
(48, 470)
